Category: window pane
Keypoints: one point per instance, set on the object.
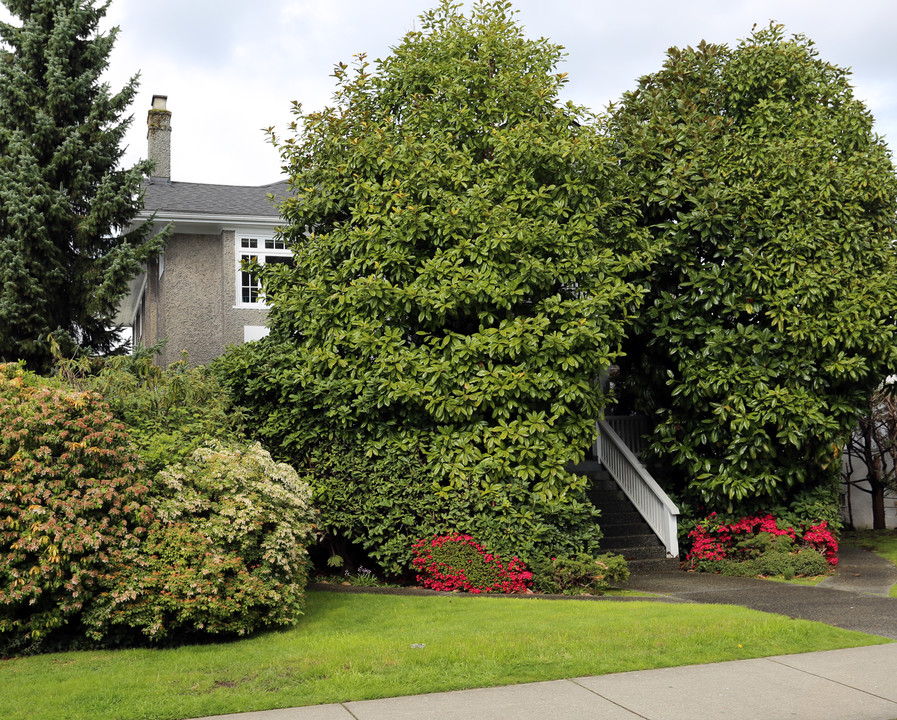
(249, 242)
(249, 286)
(279, 260)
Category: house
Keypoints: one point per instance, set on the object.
(196, 296)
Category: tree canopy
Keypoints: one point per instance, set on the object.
(64, 263)
(461, 267)
(771, 310)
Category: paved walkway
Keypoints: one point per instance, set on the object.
(851, 684)
(861, 605)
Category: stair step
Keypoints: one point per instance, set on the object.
(588, 467)
(639, 554)
(625, 531)
(615, 507)
(614, 527)
(629, 541)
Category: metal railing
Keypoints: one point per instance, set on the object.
(642, 490)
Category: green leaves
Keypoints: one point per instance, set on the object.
(771, 310)
(466, 277)
(65, 260)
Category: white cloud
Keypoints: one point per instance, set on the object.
(232, 67)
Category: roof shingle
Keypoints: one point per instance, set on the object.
(209, 199)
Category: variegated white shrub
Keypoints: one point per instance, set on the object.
(227, 554)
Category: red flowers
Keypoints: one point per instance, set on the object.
(718, 541)
(821, 538)
(458, 562)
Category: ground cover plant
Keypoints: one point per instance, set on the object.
(333, 655)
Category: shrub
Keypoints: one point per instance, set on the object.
(226, 555)
(382, 503)
(169, 412)
(458, 562)
(759, 343)
(460, 296)
(580, 574)
(760, 545)
(802, 563)
(72, 504)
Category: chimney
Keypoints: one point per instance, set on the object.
(158, 137)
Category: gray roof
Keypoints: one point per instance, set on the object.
(162, 195)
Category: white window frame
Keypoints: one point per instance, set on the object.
(261, 245)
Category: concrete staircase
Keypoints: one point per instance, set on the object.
(625, 531)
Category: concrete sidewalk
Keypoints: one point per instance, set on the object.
(854, 684)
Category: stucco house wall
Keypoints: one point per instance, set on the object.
(191, 284)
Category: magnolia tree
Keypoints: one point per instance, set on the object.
(460, 274)
(770, 318)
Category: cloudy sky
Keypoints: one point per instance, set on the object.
(233, 67)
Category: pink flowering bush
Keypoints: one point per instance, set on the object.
(458, 562)
(822, 539)
(761, 545)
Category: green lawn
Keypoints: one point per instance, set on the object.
(881, 542)
(354, 647)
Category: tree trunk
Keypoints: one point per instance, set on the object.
(878, 504)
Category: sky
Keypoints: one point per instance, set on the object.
(231, 68)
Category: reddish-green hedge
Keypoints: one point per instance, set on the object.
(71, 503)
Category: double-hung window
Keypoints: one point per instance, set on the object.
(263, 250)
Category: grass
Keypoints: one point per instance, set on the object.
(354, 647)
(881, 542)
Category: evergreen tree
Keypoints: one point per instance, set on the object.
(771, 313)
(63, 203)
(465, 283)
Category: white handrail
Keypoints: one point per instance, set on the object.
(631, 429)
(642, 490)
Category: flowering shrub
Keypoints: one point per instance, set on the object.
(72, 505)
(750, 538)
(822, 539)
(458, 562)
(226, 555)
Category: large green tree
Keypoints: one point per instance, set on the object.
(771, 313)
(64, 203)
(460, 273)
